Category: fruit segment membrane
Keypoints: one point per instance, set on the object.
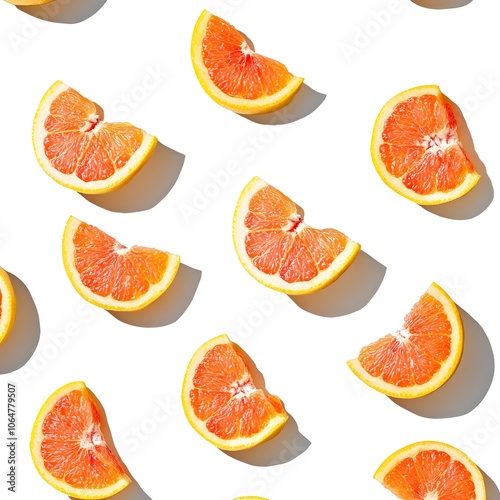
(421, 146)
(236, 69)
(416, 352)
(225, 397)
(279, 242)
(73, 448)
(79, 143)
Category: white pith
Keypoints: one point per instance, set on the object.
(92, 438)
(245, 49)
(94, 123)
(440, 141)
(402, 335)
(242, 388)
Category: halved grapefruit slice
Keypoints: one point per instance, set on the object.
(79, 150)
(421, 356)
(68, 447)
(431, 470)
(416, 148)
(108, 274)
(235, 76)
(221, 401)
(279, 249)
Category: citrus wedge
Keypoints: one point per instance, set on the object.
(69, 450)
(110, 275)
(221, 402)
(7, 305)
(416, 149)
(233, 75)
(431, 470)
(279, 250)
(421, 356)
(79, 150)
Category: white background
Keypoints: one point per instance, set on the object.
(133, 59)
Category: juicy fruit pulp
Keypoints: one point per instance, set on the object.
(431, 470)
(62, 442)
(417, 150)
(79, 150)
(276, 246)
(82, 144)
(222, 402)
(110, 275)
(68, 447)
(233, 74)
(419, 357)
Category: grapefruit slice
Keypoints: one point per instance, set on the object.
(79, 150)
(279, 250)
(235, 76)
(69, 450)
(421, 356)
(431, 470)
(110, 275)
(416, 148)
(221, 401)
(7, 305)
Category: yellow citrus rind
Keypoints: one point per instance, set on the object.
(37, 437)
(273, 427)
(395, 183)
(265, 104)
(28, 2)
(447, 368)
(413, 449)
(72, 181)
(275, 282)
(250, 498)
(109, 303)
(8, 305)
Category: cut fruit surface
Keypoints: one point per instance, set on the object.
(69, 450)
(279, 250)
(110, 275)
(221, 401)
(235, 76)
(79, 150)
(7, 305)
(416, 149)
(431, 470)
(421, 356)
